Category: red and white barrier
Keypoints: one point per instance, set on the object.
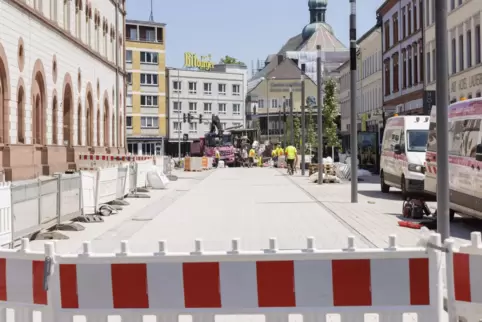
(351, 283)
(464, 279)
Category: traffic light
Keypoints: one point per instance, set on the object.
(184, 118)
(200, 118)
(189, 117)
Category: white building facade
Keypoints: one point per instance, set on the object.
(403, 56)
(203, 93)
(464, 49)
(61, 83)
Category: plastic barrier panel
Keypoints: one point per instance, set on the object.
(204, 163)
(321, 285)
(106, 185)
(89, 185)
(464, 282)
(143, 167)
(122, 177)
(196, 164)
(187, 164)
(5, 213)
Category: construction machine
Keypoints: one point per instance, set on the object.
(219, 138)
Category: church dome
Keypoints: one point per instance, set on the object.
(313, 4)
(311, 28)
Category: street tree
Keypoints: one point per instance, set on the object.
(230, 60)
(330, 113)
(297, 131)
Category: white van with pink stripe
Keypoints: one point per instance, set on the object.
(403, 154)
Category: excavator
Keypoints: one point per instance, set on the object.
(219, 138)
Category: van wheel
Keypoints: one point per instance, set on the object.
(403, 187)
(384, 187)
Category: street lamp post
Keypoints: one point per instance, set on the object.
(303, 120)
(179, 111)
(353, 119)
(319, 92)
(292, 121)
(284, 121)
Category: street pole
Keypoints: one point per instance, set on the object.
(279, 124)
(442, 88)
(292, 122)
(179, 116)
(319, 98)
(267, 104)
(284, 122)
(302, 165)
(353, 125)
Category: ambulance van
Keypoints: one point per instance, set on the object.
(465, 157)
(403, 154)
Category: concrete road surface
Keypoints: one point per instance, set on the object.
(251, 204)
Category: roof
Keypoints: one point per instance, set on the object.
(145, 23)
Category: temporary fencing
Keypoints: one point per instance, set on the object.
(350, 283)
(26, 207)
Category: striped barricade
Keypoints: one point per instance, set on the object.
(464, 279)
(319, 284)
(90, 162)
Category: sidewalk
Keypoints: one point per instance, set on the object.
(376, 214)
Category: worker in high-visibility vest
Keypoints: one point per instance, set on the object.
(274, 156)
(252, 154)
(291, 157)
(217, 156)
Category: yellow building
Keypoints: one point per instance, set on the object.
(146, 86)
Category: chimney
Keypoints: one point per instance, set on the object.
(280, 59)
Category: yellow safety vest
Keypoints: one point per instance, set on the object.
(280, 151)
(252, 153)
(218, 155)
(274, 153)
(291, 152)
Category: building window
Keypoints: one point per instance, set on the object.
(433, 11)
(478, 55)
(192, 127)
(207, 88)
(236, 124)
(261, 103)
(461, 52)
(404, 71)
(150, 122)
(128, 122)
(192, 87)
(177, 107)
(421, 62)
(193, 107)
(415, 64)
(452, 4)
(454, 56)
(395, 28)
(222, 89)
(415, 18)
(222, 108)
(177, 126)
(236, 90)
(404, 23)
(396, 69)
(427, 12)
(149, 79)
(149, 101)
(129, 100)
(149, 58)
(150, 35)
(176, 86)
(387, 77)
(434, 69)
(469, 48)
(429, 72)
(223, 125)
(129, 56)
(208, 109)
(274, 103)
(409, 19)
(236, 109)
(410, 71)
(478, 94)
(387, 35)
(129, 78)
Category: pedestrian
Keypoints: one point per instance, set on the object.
(291, 158)
(274, 156)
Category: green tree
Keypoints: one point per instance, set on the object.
(230, 60)
(310, 128)
(297, 131)
(330, 113)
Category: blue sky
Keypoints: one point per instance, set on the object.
(247, 29)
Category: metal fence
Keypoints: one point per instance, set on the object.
(43, 202)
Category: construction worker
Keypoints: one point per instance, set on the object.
(280, 151)
(274, 156)
(291, 157)
(252, 154)
(217, 156)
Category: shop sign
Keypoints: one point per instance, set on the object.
(191, 60)
(285, 87)
(466, 83)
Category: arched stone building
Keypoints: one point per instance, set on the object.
(61, 83)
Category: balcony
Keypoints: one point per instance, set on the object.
(149, 34)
